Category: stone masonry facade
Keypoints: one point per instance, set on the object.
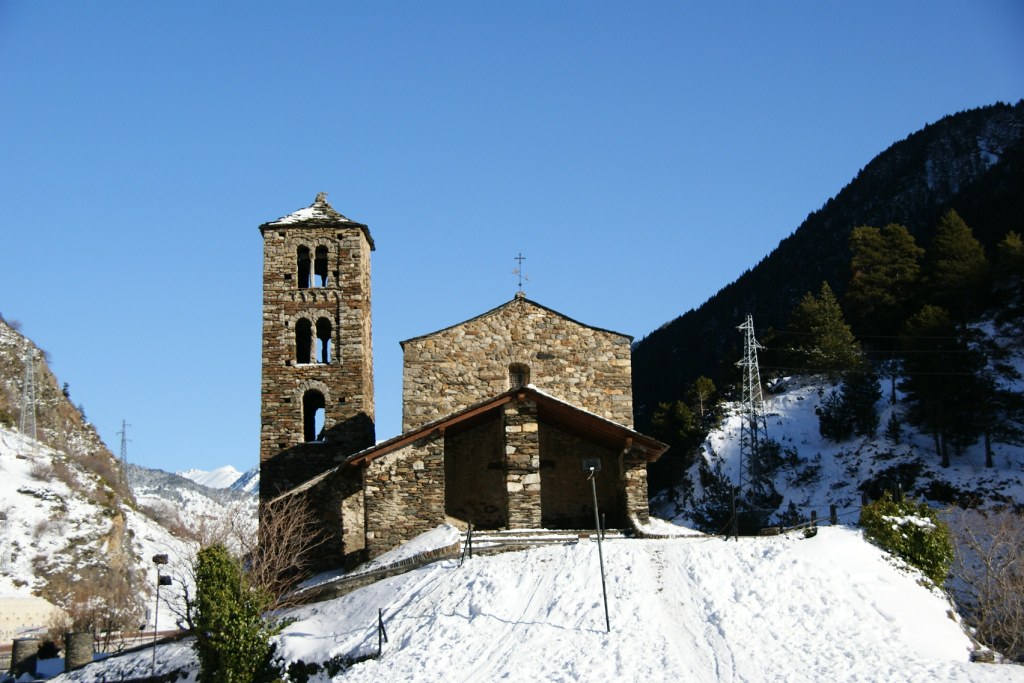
(328, 294)
(458, 366)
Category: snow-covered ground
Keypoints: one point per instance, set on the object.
(826, 473)
(788, 608)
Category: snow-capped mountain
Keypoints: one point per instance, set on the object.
(220, 478)
(226, 477)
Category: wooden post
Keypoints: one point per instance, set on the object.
(814, 519)
(833, 515)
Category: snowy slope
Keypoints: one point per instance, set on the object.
(830, 607)
(825, 473)
(51, 527)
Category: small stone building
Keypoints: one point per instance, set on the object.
(501, 413)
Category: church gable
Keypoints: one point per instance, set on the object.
(520, 342)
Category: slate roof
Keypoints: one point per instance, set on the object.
(317, 214)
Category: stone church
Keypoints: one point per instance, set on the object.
(499, 413)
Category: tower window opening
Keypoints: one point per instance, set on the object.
(518, 375)
(313, 416)
(323, 340)
(303, 341)
(304, 265)
(320, 267)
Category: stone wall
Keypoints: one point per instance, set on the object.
(454, 368)
(404, 494)
(635, 474)
(522, 458)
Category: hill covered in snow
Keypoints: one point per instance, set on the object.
(786, 608)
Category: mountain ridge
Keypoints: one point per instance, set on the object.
(972, 161)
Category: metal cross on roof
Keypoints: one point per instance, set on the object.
(518, 270)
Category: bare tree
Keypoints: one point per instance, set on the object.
(989, 567)
(282, 557)
(276, 552)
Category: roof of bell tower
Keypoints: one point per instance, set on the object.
(318, 214)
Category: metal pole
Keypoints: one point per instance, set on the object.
(600, 554)
(159, 561)
(156, 617)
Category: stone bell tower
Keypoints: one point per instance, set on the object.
(317, 385)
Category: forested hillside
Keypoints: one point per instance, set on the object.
(971, 162)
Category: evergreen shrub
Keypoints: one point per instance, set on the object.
(911, 531)
(232, 637)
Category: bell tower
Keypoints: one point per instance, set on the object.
(317, 381)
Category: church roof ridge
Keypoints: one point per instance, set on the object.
(319, 213)
(519, 298)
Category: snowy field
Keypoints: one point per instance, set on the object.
(830, 607)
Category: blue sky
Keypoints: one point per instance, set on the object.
(640, 155)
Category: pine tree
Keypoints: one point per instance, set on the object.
(860, 394)
(701, 396)
(824, 339)
(885, 277)
(956, 271)
(1008, 271)
(941, 380)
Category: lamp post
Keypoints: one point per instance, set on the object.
(593, 466)
(161, 580)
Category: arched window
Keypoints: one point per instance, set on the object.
(323, 340)
(518, 375)
(303, 341)
(320, 267)
(313, 410)
(304, 267)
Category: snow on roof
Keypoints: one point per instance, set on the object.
(318, 211)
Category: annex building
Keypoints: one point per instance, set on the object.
(499, 413)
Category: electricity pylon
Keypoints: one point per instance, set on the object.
(753, 422)
(27, 419)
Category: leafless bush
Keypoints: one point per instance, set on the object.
(277, 552)
(98, 600)
(989, 566)
(41, 470)
(283, 556)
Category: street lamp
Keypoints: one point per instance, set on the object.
(593, 466)
(161, 580)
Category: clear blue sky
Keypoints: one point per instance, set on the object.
(640, 155)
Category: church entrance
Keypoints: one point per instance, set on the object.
(474, 473)
(567, 499)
